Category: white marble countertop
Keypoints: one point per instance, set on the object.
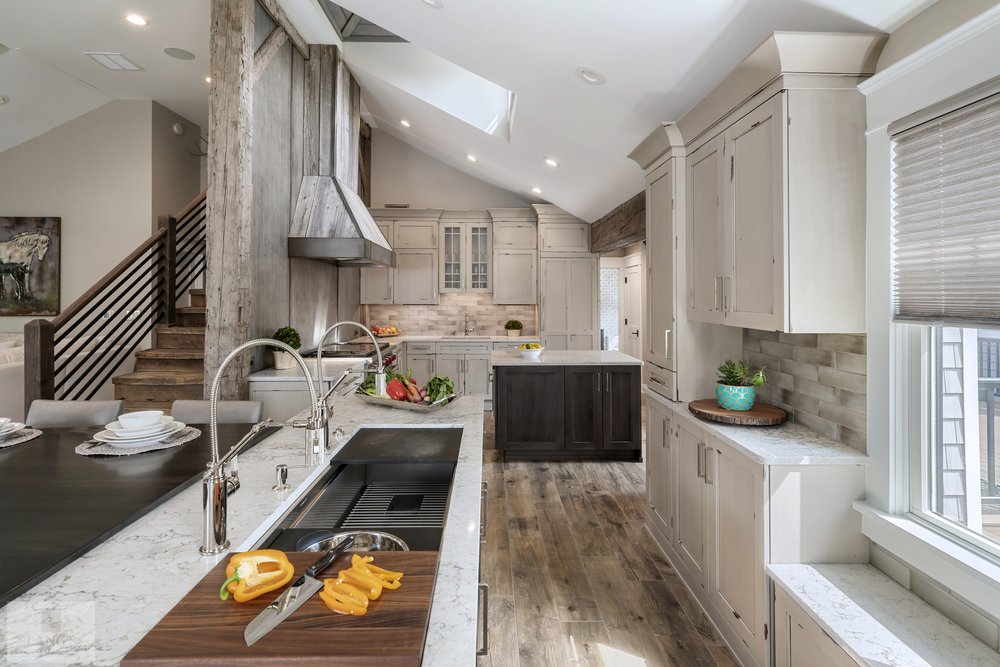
(564, 358)
(458, 338)
(877, 621)
(788, 444)
(94, 610)
(332, 370)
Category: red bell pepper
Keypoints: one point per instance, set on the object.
(396, 390)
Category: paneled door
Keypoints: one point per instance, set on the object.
(415, 277)
(660, 235)
(631, 339)
(690, 517)
(705, 233)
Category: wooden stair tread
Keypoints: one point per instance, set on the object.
(195, 310)
(160, 378)
(171, 353)
(198, 290)
(175, 329)
(135, 406)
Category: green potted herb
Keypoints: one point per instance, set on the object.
(737, 385)
(513, 328)
(290, 337)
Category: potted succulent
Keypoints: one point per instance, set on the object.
(737, 385)
(290, 337)
(513, 328)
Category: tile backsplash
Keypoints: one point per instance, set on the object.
(820, 379)
(448, 316)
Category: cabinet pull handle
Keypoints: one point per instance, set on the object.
(708, 466)
(484, 614)
(700, 452)
(598, 382)
(607, 383)
(484, 523)
(726, 281)
(718, 291)
(666, 343)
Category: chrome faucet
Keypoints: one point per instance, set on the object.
(470, 326)
(322, 409)
(222, 477)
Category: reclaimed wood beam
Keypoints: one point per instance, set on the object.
(281, 18)
(265, 52)
(365, 165)
(228, 270)
(352, 24)
(622, 227)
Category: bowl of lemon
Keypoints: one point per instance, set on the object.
(530, 350)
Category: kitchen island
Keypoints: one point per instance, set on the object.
(96, 608)
(567, 405)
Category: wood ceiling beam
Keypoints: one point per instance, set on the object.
(352, 24)
(278, 14)
(622, 227)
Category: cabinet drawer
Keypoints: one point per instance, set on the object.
(463, 348)
(663, 382)
(421, 348)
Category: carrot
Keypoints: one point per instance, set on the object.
(411, 388)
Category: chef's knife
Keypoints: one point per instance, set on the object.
(294, 597)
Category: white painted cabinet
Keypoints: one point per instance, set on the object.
(510, 235)
(568, 309)
(660, 247)
(776, 215)
(422, 366)
(412, 234)
(800, 642)
(659, 466)
(466, 256)
(415, 277)
(468, 364)
(564, 237)
(452, 366)
(476, 378)
(515, 276)
(693, 503)
(376, 283)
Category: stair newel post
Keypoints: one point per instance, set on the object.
(39, 361)
(168, 259)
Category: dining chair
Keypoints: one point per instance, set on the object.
(56, 414)
(227, 412)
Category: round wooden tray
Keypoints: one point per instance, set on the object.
(761, 414)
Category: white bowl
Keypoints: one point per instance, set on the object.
(140, 419)
(4, 421)
(532, 354)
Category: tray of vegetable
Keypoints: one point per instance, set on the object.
(403, 393)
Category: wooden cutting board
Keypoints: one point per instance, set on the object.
(204, 630)
(761, 414)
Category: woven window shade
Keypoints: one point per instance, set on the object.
(946, 218)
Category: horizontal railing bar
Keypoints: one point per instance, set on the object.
(80, 303)
(107, 371)
(200, 200)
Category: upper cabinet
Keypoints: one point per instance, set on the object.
(776, 188)
(376, 283)
(414, 280)
(515, 256)
(466, 252)
(559, 231)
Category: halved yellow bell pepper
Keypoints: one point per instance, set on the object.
(253, 573)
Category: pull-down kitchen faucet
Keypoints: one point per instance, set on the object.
(219, 482)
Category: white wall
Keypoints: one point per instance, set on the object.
(96, 173)
(401, 174)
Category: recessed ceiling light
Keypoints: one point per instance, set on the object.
(4, 99)
(590, 75)
(552, 163)
(404, 122)
(537, 191)
(135, 19)
(180, 54)
(470, 157)
(208, 79)
(436, 4)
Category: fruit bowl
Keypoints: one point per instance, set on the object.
(530, 350)
(387, 331)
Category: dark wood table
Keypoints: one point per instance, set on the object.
(56, 505)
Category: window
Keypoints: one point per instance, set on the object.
(946, 296)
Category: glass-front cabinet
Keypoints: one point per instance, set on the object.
(466, 250)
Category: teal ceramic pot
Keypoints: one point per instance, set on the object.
(735, 398)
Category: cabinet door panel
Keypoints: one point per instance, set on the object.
(477, 374)
(581, 341)
(800, 642)
(659, 467)
(422, 367)
(754, 217)
(530, 407)
(511, 236)
(689, 519)
(582, 290)
(622, 409)
(555, 341)
(564, 237)
(412, 234)
(584, 407)
(515, 279)
(416, 277)
(452, 251)
(737, 577)
(555, 294)
(452, 365)
(479, 258)
(376, 283)
(660, 247)
(705, 234)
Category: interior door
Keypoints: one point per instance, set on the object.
(753, 293)
(705, 233)
(584, 407)
(660, 235)
(631, 340)
(690, 518)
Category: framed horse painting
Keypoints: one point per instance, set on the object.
(29, 266)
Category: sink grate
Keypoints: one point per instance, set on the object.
(328, 510)
(373, 511)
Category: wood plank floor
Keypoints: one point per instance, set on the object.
(574, 577)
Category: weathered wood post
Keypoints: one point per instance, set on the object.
(168, 263)
(39, 361)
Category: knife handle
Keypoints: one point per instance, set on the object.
(333, 554)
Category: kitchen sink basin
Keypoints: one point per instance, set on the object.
(405, 499)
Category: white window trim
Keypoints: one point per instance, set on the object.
(959, 61)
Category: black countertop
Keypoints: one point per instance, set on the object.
(56, 505)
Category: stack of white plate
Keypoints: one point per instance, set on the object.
(9, 427)
(135, 429)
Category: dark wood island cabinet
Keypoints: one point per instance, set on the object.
(555, 409)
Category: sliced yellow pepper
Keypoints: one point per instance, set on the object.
(367, 582)
(341, 603)
(365, 563)
(253, 573)
(353, 592)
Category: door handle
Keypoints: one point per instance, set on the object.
(484, 614)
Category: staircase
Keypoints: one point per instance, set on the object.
(175, 368)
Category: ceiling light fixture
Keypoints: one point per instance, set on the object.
(208, 79)
(552, 163)
(4, 99)
(470, 157)
(404, 122)
(537, 191)
(590, 75)
(135, 19)
(436, 4)
(180, 54)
